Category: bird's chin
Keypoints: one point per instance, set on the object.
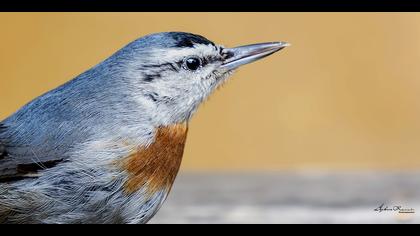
(224, 74)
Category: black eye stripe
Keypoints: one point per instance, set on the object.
(151, 77)
(212, 59)
(204, 60)
(171, 66)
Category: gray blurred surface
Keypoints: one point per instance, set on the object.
(306, 197)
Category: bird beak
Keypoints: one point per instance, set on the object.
(236, 57)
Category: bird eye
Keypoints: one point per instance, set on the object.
(192, 63)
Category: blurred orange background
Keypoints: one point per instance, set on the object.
(345, 95)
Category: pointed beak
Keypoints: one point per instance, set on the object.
(236, 57)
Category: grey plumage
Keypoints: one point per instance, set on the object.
(48, 127)
(56, 152)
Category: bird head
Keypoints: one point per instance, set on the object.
(174, 72)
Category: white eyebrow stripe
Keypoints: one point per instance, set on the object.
(176, 54)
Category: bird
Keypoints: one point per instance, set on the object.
(106, 146)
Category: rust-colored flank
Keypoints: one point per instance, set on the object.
(156, 166)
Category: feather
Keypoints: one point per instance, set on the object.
(15, 167)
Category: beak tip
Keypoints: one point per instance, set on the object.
(282, 45)
(286, 44)
(246, 54)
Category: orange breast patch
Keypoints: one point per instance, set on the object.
(157, 165)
